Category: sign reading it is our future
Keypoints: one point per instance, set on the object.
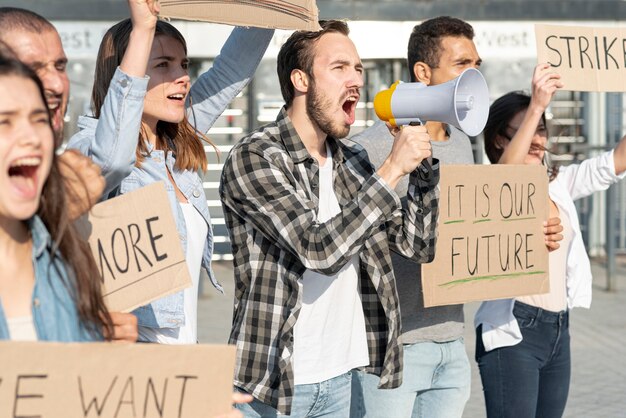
(490, 243)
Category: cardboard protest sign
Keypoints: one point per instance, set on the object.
(588, 59)
(490, 243)
(115, 380)
(135, 244)
(277, 14)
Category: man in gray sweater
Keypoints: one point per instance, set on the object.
(437, 374)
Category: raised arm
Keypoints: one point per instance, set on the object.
(111, 140)
(143, 15)
(545, 83)
(231, 72)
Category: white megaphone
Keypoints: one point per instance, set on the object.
(462, 102)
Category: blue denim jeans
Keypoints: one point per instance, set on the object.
(530, 379)
(436, 384)
(330, 399)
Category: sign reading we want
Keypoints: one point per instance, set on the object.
(81, 380)
(490, 243)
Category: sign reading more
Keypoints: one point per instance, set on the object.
(135, 244)
(490, 243)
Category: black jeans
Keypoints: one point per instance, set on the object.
(530, 379)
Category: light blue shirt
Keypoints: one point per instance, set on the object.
(53, 303)
(111, 142)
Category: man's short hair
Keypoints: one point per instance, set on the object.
(13, 18)
(425, 40)
(298, 53)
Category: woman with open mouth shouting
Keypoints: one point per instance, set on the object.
(149, 125)
(47, 291)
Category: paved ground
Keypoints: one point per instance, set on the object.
(598, 388)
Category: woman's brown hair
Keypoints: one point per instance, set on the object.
(83, 274)
(180, 138)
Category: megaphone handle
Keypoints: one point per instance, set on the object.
(426, 166)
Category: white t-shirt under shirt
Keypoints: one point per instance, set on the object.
(197, 229)
(329, 335)
(22, 328)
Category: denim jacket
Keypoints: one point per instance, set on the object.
(53, 307)
(111, 142)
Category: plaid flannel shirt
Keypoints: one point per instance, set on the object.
(269, 191)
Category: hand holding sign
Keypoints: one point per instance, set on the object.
(143, 13)
(545, 83)
(552, 229)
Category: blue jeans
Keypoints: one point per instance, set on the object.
(436, 384)
(530, 379)
(330, 398)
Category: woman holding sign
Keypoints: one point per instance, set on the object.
(149, 125)
(523, 345)
(47, 286)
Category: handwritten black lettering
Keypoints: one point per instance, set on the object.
(569, 49)
(471, 270)
(19, 395)
(154, 238)
(505, 214)
(518, 247)
(134, 241)
(159, 406)
(460, 190)
(182, 392)
(103, 258)
(607, 53)
(583, 51)
(528, 251)
(121, 269)
(488, 237)
(530, 208)
(548, 39)
(597, 51)
(505, 266)
(453, 253)
(131, 401)
(94, 400)
(485, 189)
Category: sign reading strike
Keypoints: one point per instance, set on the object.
(39, 380)
(135, 244)
(490, 243)
(277, 14)
(588, 59)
